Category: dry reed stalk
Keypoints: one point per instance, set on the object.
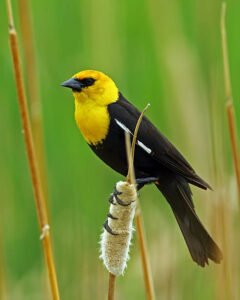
(218, 213)
(131, 150)
(225, 288)
(229, 100)
(223, 214)
(32, 85)
(149, 287)
(229, 276)
(33, 166)
(111, 286)
(147, 274)
(2, 273)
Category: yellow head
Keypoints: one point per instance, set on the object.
(93, 92)
(94, 86)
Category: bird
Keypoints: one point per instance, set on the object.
(103, 116)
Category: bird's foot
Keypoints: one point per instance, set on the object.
(115, 199)
(147, 180)
(108, 228)
(109, 215)
(111, 199)
(113, 196)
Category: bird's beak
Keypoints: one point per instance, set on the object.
(73, 84)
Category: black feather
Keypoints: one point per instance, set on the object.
(200, 244)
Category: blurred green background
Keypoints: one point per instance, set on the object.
(167, 53)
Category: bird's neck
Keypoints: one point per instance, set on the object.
(92, 120)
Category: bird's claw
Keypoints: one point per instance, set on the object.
(116, 192)
(111, 199)
(108, 228)
(122, 203)
(109, 215)
(114, 196)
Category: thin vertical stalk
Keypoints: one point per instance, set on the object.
(223, 215)
(132, 149)
(229, 100)
(33, 165)
(144, 256)
(148, 281)
(233, 138)
(2, 269)
(32, 85)
(111, 286)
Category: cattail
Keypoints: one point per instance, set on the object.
(118, 229)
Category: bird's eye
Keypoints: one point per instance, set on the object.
(87, 82)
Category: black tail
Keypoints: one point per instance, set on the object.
(200, 244)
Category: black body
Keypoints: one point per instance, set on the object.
(166, 163)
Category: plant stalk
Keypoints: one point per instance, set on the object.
(148, 281)
(33, 165)
(111, 286)
(229, 100)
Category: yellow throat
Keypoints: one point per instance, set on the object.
(91, 113)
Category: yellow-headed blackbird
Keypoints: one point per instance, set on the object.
(103, 116)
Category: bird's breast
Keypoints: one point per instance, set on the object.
(92, 120)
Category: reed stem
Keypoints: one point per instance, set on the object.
(2, 271)
(131, 150)
(229, 100)
(111, 286)
(33, 165)
(148, 281)
(32, 86)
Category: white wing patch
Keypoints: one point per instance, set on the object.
(148, 150)
(123, 126)
(139, 143)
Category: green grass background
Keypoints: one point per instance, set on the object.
(167, 53)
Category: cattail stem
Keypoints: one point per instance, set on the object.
(27, 133)
(131, 149)
(116, 238)
(2, 271)
(32, 86)
(229, 100)
(148, 281)
(234, 146)
(111, 286)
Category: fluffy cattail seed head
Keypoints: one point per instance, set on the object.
(115, 245)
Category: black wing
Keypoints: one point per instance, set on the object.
(162, 150)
